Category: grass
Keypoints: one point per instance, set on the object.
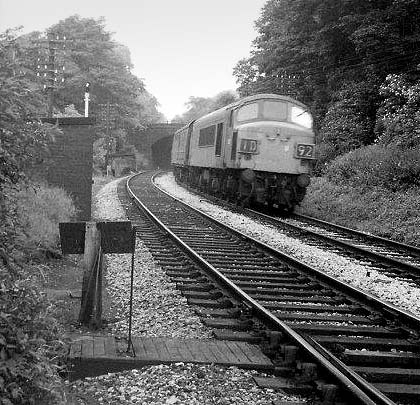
(390, 214)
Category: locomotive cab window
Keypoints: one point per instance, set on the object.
(301, 117)
(275, 110)
(247, 112)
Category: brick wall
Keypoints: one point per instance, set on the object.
(70, 165)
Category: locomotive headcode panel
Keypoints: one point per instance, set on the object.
(258, 150)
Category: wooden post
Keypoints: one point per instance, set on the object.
(97, 309)
(91, 260)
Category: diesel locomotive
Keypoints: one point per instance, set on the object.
(257, 150)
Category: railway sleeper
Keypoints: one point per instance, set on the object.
(330, 330)
(240, 336)
(271, 304)
(315, 308)
(265, 279)
(279, 297)
(292, 286)
(366, 342)
(261, 292)
(262, 274)
(225, 303)
(265, 272)
(188, 272)
(327, 318)
(400, 391)
(226, 323)
(390, 374)
(205, 244)
(237, 267)
(204, 295)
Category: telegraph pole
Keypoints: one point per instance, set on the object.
(48, 68)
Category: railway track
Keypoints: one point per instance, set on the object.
(391, 258)
(250, 291)
(388, 257)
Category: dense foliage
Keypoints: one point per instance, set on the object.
(28, 341)
(355, 63)
(28, 334)
(399, 114)
(390, 168)
(90, 55)
(335, 56)
(23, 139)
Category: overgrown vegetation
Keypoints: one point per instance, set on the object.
(374, 188)
(352, 62)
(40, 208)
(355, 64)
(30, 345)
(29, 336)
(390, 214)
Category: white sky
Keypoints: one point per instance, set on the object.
(180, 48)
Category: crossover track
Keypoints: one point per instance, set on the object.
(368, 347)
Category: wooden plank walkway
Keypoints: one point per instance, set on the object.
(91, 355)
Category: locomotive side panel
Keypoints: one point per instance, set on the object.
(207, 141)
(179, 145)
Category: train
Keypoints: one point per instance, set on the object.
(259, 150)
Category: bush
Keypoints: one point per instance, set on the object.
(390, 168)
(40, 208)
(394, 215)
(29, 345)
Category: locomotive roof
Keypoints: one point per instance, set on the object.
(245, 100)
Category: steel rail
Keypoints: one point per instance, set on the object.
(373, 238)
(413, 269)
(408, 318)
(358, 387)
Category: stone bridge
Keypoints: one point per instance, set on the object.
(153, 145)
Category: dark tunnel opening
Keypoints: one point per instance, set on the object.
(161, 152)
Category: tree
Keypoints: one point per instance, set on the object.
(313, 50)
(23, 139)
(398, 120)
(118, 99)
(28, 338)
(199, 106)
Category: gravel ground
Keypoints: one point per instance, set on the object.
(180, 383)
(399, 292)
(160, 310)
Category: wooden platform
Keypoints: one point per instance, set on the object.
(95, 355)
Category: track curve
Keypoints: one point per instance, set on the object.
(345, 330)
